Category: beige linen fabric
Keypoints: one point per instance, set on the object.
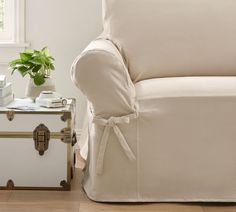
(169, 38)
(102, 76)
(183, 145)
(171, 137)
(186, 87)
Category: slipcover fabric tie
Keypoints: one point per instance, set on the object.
(112, 122)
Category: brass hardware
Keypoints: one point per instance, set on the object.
(17, 134)
(41, 136)
(65, 185)
(66, 116)
(34, 112)
(74, 139)
(10, 185)
(70, 151)
(10, 115)
(66, 137)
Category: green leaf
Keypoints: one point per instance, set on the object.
(36, 60)
(51, 66)
(45, 51)
(23, 70)
(13, 70)
(25, 73)
(39, 79)
(14, 62)
(25, 56)
(29, 65)
(36, 68)
(36, 53)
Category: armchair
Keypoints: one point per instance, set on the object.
(161, 85)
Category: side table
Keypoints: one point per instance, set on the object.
(37, 146)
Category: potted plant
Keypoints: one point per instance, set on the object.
(37, 64)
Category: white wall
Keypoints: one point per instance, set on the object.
(66, 27)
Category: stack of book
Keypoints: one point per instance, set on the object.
(6, 95)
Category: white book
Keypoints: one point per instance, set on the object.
(5, 91)
(6, 100)
(3, 81)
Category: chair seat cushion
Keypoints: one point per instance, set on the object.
(186, 132)
(186, 87)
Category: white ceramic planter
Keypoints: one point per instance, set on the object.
(33, 91)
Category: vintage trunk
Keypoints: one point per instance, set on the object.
(37, 147)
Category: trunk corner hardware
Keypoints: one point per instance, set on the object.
(10, 185)
(66, 116)
(65, 185)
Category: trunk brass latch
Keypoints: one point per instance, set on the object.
(41, 138)
(10, 115)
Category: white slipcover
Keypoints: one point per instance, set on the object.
(162, 96)
(161, 38)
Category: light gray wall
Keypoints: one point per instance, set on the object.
(66, 27)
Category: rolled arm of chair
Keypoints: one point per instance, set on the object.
(102, 76)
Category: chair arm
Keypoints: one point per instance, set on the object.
(102, 76)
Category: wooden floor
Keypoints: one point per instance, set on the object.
(76, 201)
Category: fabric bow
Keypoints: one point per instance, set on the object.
(112, 122)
